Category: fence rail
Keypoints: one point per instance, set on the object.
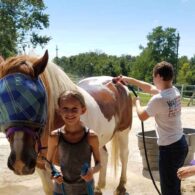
(188, 92)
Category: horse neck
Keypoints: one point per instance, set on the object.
(56, 81)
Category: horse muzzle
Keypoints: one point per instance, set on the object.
(22, 167)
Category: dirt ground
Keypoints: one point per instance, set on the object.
(138, 182)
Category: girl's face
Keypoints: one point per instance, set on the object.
(71, 110)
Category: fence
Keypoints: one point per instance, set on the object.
(187, 92)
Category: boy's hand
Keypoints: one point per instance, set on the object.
(117, 79)
(123, 79)
(135, 99)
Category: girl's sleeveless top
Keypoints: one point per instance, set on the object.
(72, 156)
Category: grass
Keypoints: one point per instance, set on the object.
(146, 97)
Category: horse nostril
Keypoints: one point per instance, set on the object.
(11, 160)
(9, 164)
(32, 164)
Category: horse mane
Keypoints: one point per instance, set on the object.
(56, 81)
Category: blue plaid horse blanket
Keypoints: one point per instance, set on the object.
(23, 101)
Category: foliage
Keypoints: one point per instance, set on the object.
(93, 64)
(184, 73)
(162, 46)
(19, 23)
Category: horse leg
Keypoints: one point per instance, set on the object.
(102, 175)
(124, 152)
(46, 181)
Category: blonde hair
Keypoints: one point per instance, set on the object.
(72, 93)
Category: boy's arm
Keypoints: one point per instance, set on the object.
(141, 112)
(144, 86)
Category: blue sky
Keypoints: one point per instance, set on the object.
(115, 27)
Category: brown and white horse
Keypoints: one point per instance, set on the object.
(109, 114)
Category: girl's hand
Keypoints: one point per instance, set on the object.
(59, 179)
(88, 176)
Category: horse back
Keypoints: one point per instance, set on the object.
(114, 100)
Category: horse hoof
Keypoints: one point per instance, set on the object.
(97, 191)
(121, 191)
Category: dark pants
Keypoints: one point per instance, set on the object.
(171, 158)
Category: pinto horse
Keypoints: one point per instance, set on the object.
(109, 114)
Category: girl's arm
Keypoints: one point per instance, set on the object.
(52, 147)
(94, 143)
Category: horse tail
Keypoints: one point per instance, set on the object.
(115, 152)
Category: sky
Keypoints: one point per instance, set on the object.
(115, 27)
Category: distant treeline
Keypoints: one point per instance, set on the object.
(162, 45)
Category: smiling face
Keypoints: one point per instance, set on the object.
(70, 109)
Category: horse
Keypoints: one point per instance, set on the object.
(109, 114)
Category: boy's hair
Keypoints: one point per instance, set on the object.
(165, 70)
(72, 93)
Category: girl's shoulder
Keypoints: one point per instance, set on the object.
(91, 133)
(92, 137)
(57, 132)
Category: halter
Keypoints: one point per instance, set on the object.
(34, 134)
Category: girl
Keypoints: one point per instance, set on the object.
(75, 143)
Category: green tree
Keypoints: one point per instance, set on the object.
(20, 21)
(162, 45)
(183, 74)
(143, 65)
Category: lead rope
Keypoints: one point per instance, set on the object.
(89, 184)
(55, 173)
(145, 151)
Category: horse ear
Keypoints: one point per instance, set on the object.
(40, 64)
(1, 59)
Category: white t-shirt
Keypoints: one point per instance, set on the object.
(166, 108)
